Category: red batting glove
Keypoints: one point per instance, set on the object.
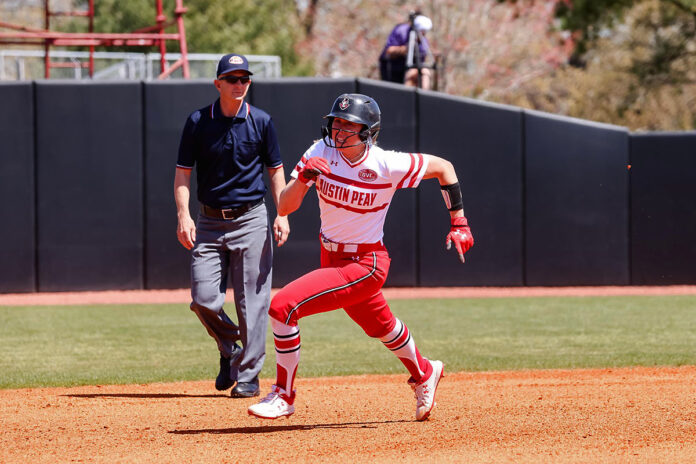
(460, 234)
(312, 168)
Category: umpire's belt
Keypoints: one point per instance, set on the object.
(356, 248)
(228, 213)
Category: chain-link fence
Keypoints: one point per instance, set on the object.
(23, 65)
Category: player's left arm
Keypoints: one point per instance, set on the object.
(460, 233)
(281, 226)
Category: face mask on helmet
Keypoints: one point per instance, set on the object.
(357, 108)
(328, 134)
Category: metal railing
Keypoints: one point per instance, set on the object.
(23, 65)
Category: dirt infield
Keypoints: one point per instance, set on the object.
(635, 415)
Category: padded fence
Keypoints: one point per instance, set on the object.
(663, 214)
(576, 213)
(88, 173)
(483, 141)
(17, 189)
(167, 105)
(89, 185)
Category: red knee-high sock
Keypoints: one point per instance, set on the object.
(399, 340)
(287, 345)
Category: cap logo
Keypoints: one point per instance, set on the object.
(236, 60)
(345, 103)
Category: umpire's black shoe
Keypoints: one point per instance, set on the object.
(246, 389)
(228, 373)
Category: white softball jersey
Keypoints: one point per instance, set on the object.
(354, 198)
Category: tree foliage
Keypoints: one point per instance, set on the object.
(642, 75)
(638, 64)
(591, 18)
(262, 27)
(637, 57)
(484, 46)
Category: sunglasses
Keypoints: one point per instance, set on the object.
(235, 79)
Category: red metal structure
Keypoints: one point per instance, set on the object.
(147, 37)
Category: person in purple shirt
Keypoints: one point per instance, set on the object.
(401, 60)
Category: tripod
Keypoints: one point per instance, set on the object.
(413, 57)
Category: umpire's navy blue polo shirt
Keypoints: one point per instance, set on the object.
(229, 154)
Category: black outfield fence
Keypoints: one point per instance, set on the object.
(88, 169)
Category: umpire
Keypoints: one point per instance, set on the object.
(230, 142)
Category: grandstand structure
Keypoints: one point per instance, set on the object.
(151, 36)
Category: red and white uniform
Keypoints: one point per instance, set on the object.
(354, 198)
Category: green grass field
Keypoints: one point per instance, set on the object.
(80, 345)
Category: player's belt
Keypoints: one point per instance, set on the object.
(336, 247)
(228, 213)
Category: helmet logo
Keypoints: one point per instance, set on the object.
(368, 175)
(345, 103)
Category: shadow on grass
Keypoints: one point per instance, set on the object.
(286, 428)
(144, 395)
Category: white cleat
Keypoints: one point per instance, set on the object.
(276, 404)
(425, 391)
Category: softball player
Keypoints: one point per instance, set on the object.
(355, 181)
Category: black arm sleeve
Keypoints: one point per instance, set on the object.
(452, 195)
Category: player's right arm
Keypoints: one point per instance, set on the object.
(291, 197)
(186, 228)
(302, 178)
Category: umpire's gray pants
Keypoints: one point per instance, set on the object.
(240, 249)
